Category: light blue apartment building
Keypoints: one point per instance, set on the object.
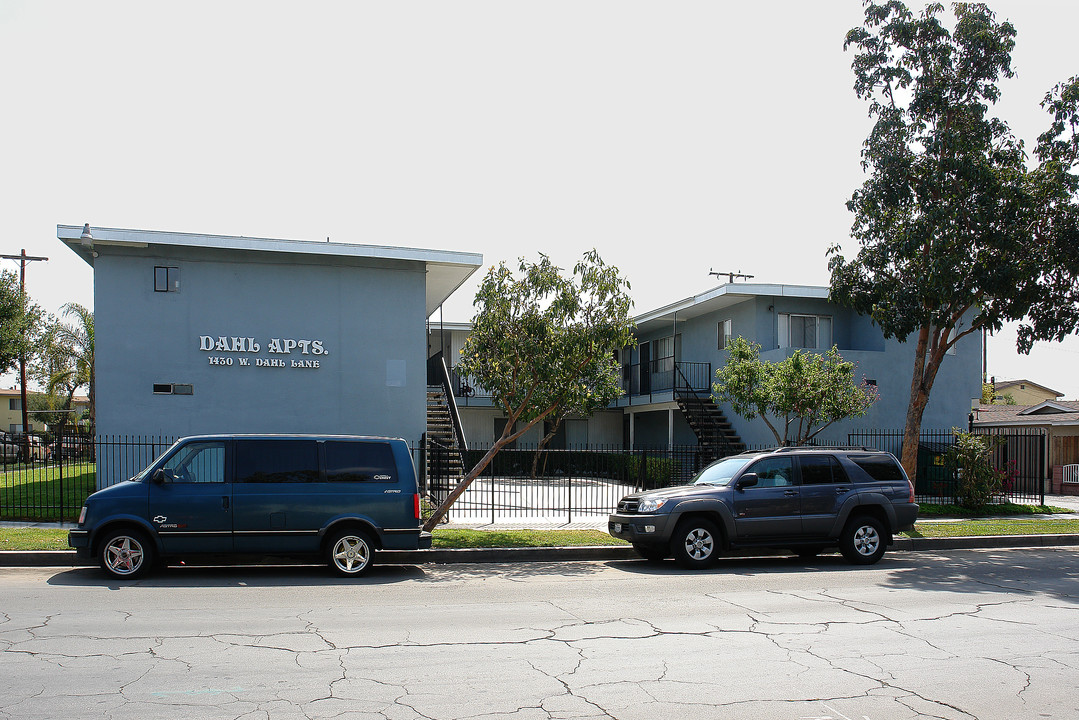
(667, 377)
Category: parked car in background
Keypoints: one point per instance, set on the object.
(793, 498)
(72, 446)
(9, 449)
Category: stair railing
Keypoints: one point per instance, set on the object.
(682, 381)
(436, 367)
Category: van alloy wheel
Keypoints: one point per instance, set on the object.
(126, 554)
(350, 553)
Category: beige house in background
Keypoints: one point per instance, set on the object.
(1060, 421)
(11, 410)
(1024, 392)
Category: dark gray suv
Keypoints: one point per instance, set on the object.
(802, 499)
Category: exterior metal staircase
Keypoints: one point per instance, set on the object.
(715, 434)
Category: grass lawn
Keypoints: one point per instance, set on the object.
(45, 493)
(56, 539)
(458, 538)
(926, 510)
(993, 526)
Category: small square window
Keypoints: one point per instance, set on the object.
(179, 389)
(162, 388)
(166, 279)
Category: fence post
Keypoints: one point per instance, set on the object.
(642, 470)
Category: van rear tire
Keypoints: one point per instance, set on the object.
(349, 553)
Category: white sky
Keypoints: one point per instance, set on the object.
(675, 137)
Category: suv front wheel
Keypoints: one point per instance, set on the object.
(862, 541)
(695, 543)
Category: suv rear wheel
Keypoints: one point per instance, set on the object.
(695, 543)
(862, 541)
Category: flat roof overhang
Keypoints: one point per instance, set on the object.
(446, 270)
(722, 297)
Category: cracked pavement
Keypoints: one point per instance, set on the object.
(962, 634)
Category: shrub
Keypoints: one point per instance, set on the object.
(970, 459)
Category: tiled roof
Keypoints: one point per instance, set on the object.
(1013, 414)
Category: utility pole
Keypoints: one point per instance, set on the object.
(23, 258)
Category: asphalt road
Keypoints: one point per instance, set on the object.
(962, 634)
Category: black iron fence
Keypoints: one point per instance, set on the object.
(1019, 454)
(565, 486)
(49, 481)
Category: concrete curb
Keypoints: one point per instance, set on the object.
(67, 558)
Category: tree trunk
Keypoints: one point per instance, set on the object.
(542, 444)
(506, 439)
(925, 373)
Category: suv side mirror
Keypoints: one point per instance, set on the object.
(747, 480)
(158, 476)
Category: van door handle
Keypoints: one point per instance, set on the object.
(225, 501)
(790, 493)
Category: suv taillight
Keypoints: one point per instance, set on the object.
(911, 486)
(416, 504)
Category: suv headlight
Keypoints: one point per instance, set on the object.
(650, 505)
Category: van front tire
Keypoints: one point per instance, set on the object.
(350, 553)
(125, 554)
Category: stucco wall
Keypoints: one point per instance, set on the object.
(369, 319)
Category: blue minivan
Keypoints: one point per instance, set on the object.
(337, 497)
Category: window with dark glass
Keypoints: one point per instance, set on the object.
(821, 470)
(166, 279)
(879, 467)
(276, 461)
(360, 462)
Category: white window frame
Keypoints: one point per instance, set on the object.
(824, 328)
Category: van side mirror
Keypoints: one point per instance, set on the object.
(747, 480)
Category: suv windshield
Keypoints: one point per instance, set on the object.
(720, 473)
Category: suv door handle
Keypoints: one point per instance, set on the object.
(842, 490)
(790, 493)
(225, 501)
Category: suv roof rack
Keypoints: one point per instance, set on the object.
(792, 448)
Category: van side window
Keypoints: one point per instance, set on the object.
(197, 463)
(360, 462)
(276, 461)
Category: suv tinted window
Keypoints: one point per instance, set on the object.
(360, 462)
(879, 467)
(821, 470)
(773, 472)
(276, 461)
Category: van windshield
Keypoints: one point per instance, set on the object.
(720, 473)
(144, 473)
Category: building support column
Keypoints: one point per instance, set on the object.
(632, 419)
(670, 428)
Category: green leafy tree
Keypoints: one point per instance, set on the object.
(64, 359)
(19, 323)
(956, 233)
(541, 342)
(990, 397)
(797, 398)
